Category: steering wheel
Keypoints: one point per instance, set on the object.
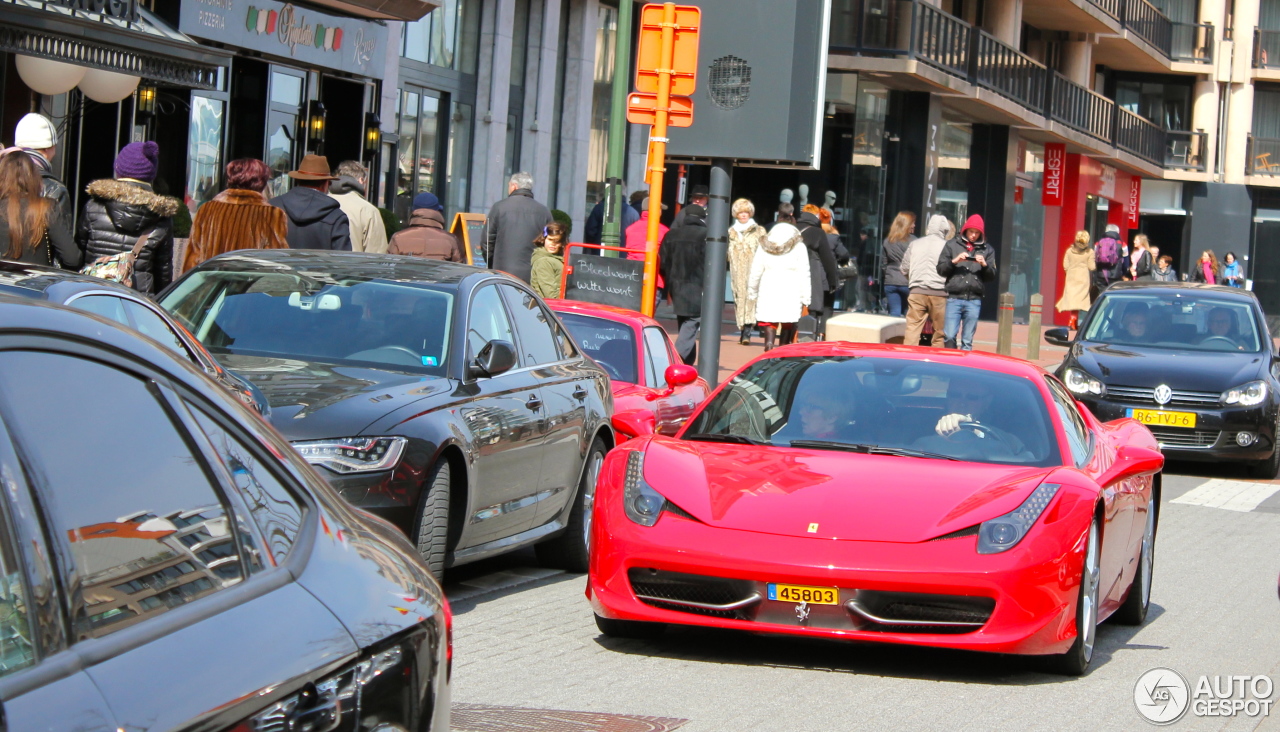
(985, 431)
(1232, 343)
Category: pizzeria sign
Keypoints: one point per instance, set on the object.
(283, 29)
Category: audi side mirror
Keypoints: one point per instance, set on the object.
(1132, 461)
(678, 375)
(635, 423)
(1058, 336)
(497, 357)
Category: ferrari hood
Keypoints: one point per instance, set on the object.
(314, 400)
(844, 495)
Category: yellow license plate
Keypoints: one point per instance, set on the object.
(801, 593)
(1164, 419)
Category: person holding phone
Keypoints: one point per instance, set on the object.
(968, 263)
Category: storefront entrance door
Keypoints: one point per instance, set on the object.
(284, 138)
(1266, 263)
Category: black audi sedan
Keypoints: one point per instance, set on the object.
(445, 398)
(1195, 363)
(125, 306)
(167, 561)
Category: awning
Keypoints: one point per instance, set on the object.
(126, 39)
(381, 9)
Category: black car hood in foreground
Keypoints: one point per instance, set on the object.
(312, 400)
(1183, 370)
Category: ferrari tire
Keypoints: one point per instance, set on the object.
(1266, 469)
(431, 532)
(629, 628)
(1134, 609)
(1076, 660)
(571, 550)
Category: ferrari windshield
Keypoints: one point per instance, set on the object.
(883, 405)
(1175, 319)
(353, 321)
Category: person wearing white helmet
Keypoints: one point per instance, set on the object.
(36, 135)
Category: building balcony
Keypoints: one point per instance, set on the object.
(1264, 157)
(1145, 39)
(1266, 49)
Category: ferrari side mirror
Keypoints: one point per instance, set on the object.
(1132, 461)
(678, 374)
(635, 423)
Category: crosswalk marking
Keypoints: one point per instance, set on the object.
(1230, 495)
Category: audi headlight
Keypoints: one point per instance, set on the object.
(641, 502)
(353, 454)
(1003, 532)
(1246, 395)
(1081, 382)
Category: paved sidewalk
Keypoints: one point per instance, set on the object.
(733, 355)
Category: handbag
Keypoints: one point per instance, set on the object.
(118, 267)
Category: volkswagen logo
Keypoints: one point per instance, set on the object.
(1163, 394)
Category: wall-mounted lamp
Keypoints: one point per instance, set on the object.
(147, 99)
(315, 122)
(372, 132)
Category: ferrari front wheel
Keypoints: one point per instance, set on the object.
(1076, 660)
(1134, 609)
(629, 628)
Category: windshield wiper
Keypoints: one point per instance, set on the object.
(720, 437)
(866, 449)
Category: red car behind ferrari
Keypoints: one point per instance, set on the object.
(883, 493)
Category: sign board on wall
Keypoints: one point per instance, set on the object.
(1055, 173)
(283, 29)
(1135, 199)
(760, 102)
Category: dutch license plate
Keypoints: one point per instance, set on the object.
(1164, 419)
(801, 593)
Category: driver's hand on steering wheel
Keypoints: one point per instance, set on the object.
(950, 424)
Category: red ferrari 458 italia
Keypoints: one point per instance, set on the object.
(883, 493)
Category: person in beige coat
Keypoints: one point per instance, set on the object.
(368, 234)
(745, 237)
(1078, 263)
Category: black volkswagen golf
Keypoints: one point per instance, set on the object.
(1195, 363)
(443, 397)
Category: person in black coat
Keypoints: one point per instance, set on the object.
(682, 263)
(513, 224)
(316, 219)
(824, 273)
(122, 210)
(32, 230)
(593, 230)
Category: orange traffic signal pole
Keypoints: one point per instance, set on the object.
(658, 159)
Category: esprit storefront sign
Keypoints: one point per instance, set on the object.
(1055, 170)
(284, 29)
(1135, 199)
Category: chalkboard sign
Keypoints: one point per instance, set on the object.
(470, 229)
(604, 280)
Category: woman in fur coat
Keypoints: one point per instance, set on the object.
(239, 217)
(779, 283)
(745, 237)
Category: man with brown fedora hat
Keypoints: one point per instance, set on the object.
(316, 220)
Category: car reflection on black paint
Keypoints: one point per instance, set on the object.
(167, 561)
(445, 398)
(1196, 363)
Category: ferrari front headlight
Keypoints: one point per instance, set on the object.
(640, 501)
(353, 454)
(1003, 532)
(1246, 395)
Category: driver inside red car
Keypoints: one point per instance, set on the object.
(968, 404)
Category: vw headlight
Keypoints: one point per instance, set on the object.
(1246, 395)
(1003, 532)
(641, 502)
(353, 454)
(1080, 382)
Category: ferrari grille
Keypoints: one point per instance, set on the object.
(691, 593)
(901, 612)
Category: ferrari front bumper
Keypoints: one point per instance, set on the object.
(933, 593)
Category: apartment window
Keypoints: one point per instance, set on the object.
(601, 102)
(447, 36)
(1266, 112)
(1163, 103)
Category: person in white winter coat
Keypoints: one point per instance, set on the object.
(779, 282)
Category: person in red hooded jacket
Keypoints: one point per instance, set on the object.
(969, 263)
(636, 234)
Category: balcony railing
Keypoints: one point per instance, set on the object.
(940, 39)
(906, 28)
(1081, 109)
(1264, 156)
(1153, 26)
(1007, 71)
(1114, 8)
(1192, 42)
(1266, 49)
(1137, 135)
(1184, 150)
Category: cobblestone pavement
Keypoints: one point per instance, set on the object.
(525, 638)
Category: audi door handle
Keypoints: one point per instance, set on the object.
(534, 403)
(579, 393)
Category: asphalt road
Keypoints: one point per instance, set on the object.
(524, 637)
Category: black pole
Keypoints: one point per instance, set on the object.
(717, 255)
